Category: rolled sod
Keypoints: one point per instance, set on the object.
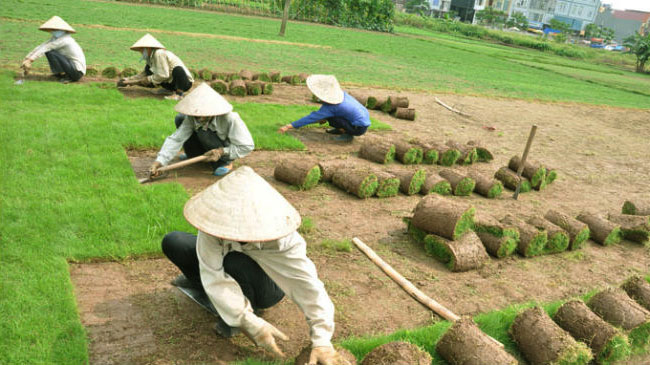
(397, 352)
(303, 356)
(551, 175)
(407, 153)
(509, 179)
(361, 98)
(558, 239)
(388, 184)
(399, 101)
(534, 172)
(221, 75)
(464, 254)
(267, 88)
(110, 72)
(447, 156)
(246, 75)
(303, 173)
(531, 240)
(127, 72)
(638, 289)
(468, 153)
(233, 76)
(429, 152)
(195, 74)
(262, 76)
(379, 102)
(291, 79)
(601, 230)
(636, 207)
(435, 183)
(607, 344)
(205, 74)
(461, 185)
(371, 102)
(275, 76)
(237, 88)
(215, 75)
(484, 222)
(303, 77)
(328, 167)
(405, 113)
(91, 71)
(220, 86)
(578, 231)
(542, 341)
(253, 88)
(617, 308)
(498, 247)
(486, 185)
(443, 216)
(356, 181)
(376, 150)
(410, 180)
(483, 154)
(633, 227)
(499, 240)
(464, 343)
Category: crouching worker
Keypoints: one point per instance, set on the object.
(206, 125)
(247, 256)
(64, 55)
(164, 69)
(344, 113)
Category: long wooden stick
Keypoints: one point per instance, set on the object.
(533, 129)
(176, 165)
(450, 108)
(409, 287)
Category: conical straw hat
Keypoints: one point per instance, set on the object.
(242, 207)
(326, 88)
(56, 23)
(147, 41)
(203, 102)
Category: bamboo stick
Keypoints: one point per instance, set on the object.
(175, 166)
(450, 108)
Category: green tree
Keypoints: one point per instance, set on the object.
(607, 34)
(420, 7)
(640, 46)
(560, 25)
(491, 16)
(592, 31)
(517, 19)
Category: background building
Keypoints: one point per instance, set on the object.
(466, 9)
(624, 22)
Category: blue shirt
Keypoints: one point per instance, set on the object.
(350, 109)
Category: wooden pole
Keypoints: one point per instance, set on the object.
(450, 108)
(285, 17)
(533, 129)
(175, 166)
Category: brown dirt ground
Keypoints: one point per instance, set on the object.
(600, 152)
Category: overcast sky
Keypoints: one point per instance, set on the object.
(643, 5)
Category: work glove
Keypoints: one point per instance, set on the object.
(265, 337)
(326, 355)
(214, 155)
(153, 170)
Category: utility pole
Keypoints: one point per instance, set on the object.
(285, 17)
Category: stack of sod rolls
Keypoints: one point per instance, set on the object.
(408, 154)
(377, 150)
(461, 185)
(534, 175)
(531, 240)
(357, 181)
(465, 343)
(302, 173)
(601, 230)
(396, 105)
(486, 185)
(500, 240)
(444, 226)
(410, 180)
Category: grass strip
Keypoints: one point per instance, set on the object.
(495, 191)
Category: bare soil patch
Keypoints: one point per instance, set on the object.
(600, 153)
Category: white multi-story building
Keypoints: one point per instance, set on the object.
(576, 13)
(439, 6)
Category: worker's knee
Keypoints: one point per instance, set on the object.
(237, 264)
(171, 242)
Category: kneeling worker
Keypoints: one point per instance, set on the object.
(163, 69)
(246, 256)
(344, 113)
(67, 60)
(206, 125)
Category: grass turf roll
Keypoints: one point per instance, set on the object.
(275, 76)
(195, 74)
(405, 113)
(430, 152)
(397, 352)
(638, 289)
(303, 173)
(205, 74)
(633, 227)
(377, 150)
(464, 254)
(388, 184)
(500, 240)
(578, 231)
(356, 181)
(253, 88)
(267, 88)
(91, 71)
(443, 216)
(128, 72)
(329, 167)
(482, 153)
(448, 156)
(558, 239)
(509, 179)
(305, 353)
(361, 98)
(498, 247)
(531, 240)
(542, 341)
(262, 76)
(534, 172)
(551, 175)
(237, 88)
(219, 86)
(485, 185)
(468, 153)
(460, 185)
(110, 72)
(410, 180)
(600, 229)
(636, 207)
(435, 183)
(407, 153)
(291, 79)
(246, 75)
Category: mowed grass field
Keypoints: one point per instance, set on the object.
(68, 191)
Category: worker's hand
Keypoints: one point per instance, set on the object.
(213, 155)
(26, 65)
(265, 338)
(285, 128)
(322, 121)
(121, 82)
(326, 355)
(153, 170)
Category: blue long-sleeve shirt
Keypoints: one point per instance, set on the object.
(349, 109)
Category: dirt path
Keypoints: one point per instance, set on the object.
(601, 154)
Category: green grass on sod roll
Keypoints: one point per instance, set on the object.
(496, 231)
(551, 176)
(253, 89)
(219, 87)
(312, 179)
(264, 77)
(438, 249)
(465, 223)
(483, 155)
(536, 247)
(371, 102)
(268, 89)
(413, 156)
(238, 91)
(417, 181)
(639, 338)
(471, 157)
(90, 71)
(128, 72)
(580, 239)
(616, 349)
(195, 74)
(507, 248)
(388, 188)
(430, 157)
(559, 242)
(614, 237)
(368, 187)
(495, 191)
(442, 188)
(206, 75)
(525, 186)
(465, 187)
(538, 177)
(416, 233)
(110, 72)
(449, 157)
(577, 354)
(390, 156)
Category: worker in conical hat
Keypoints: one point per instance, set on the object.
(246, 256)
(163, 69)
(65, 56)
(347, 117)
(206, 125)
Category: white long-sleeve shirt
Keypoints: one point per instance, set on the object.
(67, 46)
(228, 127)
(162, 63)
(285, 261)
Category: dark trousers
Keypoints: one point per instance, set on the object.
(257, 286)
(201, 142)
(353, 130)
(60, 63)
(180, 81)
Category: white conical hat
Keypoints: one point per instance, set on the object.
(326, 88)
(147, 41)
(242, 207)
(56, 23)
(203, 101)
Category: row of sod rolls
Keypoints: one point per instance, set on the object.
(533, 175)
(385, 151)
(397, 352)
(246, 75)
(242, 88)
(111, 72)
(396, 105)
